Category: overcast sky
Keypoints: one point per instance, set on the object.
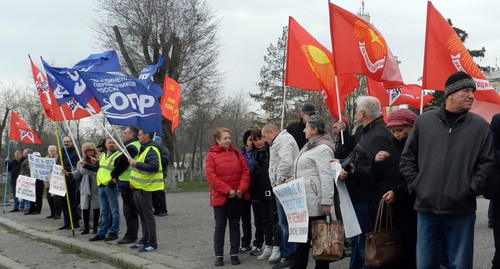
(60, 31)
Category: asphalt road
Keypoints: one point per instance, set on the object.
(185, 236)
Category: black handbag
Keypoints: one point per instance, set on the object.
(346, 163)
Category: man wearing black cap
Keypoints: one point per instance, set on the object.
(296, 129)
(446, 160)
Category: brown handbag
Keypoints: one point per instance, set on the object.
(382, 246)
(327, 238)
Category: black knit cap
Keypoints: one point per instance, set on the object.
(309, 109)
(457, 81)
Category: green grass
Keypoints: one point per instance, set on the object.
(193, 185)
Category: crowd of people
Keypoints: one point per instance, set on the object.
(94, 183)
(429, 169)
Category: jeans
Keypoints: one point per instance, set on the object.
(108, 197)
(287, 249)
(366, 213)
(270, 222)
(221, 220)
(457, 230)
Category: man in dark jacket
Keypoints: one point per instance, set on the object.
(70, 159)
(363, 185)
(14, 167)
(446, 161)
(296, 129)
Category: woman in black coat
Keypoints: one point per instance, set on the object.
(395, 188)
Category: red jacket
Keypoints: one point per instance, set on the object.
(226, 170)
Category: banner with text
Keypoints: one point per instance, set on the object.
(292, 196)
(40, 167)
(25, 188)
(57, 184)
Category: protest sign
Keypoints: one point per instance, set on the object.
(25, 188)
(292, 196)
(40, 167)
(57, 184)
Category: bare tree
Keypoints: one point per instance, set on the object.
(183, 32)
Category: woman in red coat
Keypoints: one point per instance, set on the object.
(228, 177)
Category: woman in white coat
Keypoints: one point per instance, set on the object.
(313, 165)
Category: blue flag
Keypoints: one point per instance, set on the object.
(100, 62)
(146, 75)
(67, 81)
(125, 101)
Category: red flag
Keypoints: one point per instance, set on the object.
(445, 54)
(20, 131)
(170, 101)
(359, 48)
(407, 95)
(72, 110)
(309, 66)
(47, 99)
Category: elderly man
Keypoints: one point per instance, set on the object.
(70, 159)
(146, 177)
(446, 160)
(14, 167)
(362, 184)
(283, 152)
(52, 153)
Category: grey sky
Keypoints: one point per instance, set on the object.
(60, 31)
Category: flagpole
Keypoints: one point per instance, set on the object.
(283, 109)
(108, 133)
(58, 140)
(421, 101)
(6, 178)
(338, 107)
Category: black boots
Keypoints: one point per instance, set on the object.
(86, 217)
(97, 215)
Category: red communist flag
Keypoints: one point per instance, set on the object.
(406, 95)
(309, 66)
(445, 54)
(20, 131)
(47, 99)
(359, 48)
(170, 101)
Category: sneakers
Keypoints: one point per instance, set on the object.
(244, 249)
(275, 255)
(137, 245)
(284, 263)
(266, 253)
(147, 248)
(235, 260)
(219, 261)
(255, 251)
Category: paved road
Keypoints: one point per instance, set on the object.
(185, 236)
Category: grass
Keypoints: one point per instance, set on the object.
(193, 185)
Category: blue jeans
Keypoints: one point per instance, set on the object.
(456, 230)
(287, 249)
(108, 197)
(366, 213)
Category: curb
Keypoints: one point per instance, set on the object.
(119, 258)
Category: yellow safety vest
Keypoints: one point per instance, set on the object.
(147, 181)
(106, 165)
(125, 176)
